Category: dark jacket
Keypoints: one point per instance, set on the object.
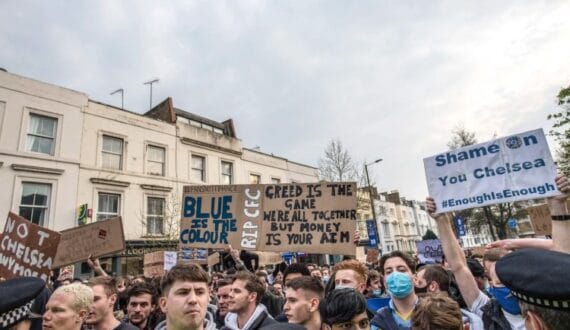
(384, 320)
(261, 319)
(493, 317)
(273, 303)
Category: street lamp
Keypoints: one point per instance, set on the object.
(370, 194)
(150, 82)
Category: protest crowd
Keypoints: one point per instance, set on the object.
(516, 284)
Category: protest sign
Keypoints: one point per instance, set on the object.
(153, 264)
(98, 239)
(26, 249)
(313, 218)
(507, 169)
(269, 258)
(540, 217)
(170, 258)
(429, 251)
(214, 259)
(372, 255)
(478, 250)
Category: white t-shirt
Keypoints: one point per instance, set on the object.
(516, 321)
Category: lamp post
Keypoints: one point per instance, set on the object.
(370, 194)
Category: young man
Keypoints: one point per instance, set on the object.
(101, 315)
(397, 268)
(302, 300)
(272, 302)
(68, 307)
(223, 294)
(246, 312)
(351, 274)
(185, 297)
(344, 309)
(141, 302)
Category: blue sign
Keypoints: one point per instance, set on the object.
(512, 223)
(372, 233)
(460, 225)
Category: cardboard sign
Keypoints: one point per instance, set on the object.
(372, 255)
(430, 251)
(507, 169)
(26, 249)
(98, 239)
(313, 218)
(170, 258)
(269, 258)
(540, 217)
(214, 259)
(478, 250)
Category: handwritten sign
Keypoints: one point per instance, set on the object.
(269, 258)
(153, 264)
(540, 218)
(98, 239)
(313, 218)
(26, 249)
(507, 169)
(214, 259)
(170, 258)
(372, 255)
(429, 251)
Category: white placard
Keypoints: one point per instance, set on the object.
(169, 259)
(507, 169)
(429, 251)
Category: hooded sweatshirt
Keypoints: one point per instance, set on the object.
(260, 318)
(209, 324)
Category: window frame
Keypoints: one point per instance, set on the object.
(149, 215)
(119, 204)
(147, 158)
(254, 175)
(46, 208)
(223, 175)
(25, 125)
(122, 155)
(203, 170)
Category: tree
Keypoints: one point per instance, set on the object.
(561, 130)
(429, 235)
(337, 164)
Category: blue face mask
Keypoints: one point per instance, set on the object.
(326, 279)
(508, 302)
(377, 293)
(400, 285)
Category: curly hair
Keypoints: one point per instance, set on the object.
(81, 295)
(437, 312)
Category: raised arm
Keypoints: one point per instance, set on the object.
(454, 255)
(522, 243)
(560, 216)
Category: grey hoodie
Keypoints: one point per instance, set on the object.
(209, 323)
(260, 318)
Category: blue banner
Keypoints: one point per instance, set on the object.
(460, 225)
(372, 233)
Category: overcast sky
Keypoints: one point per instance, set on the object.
(390, 79)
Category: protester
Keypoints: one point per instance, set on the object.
(317, 273)
(303, 296)
(245, 310)
(68, 307)
(374, 286)
(295, 270)
(350, 274)
(16, 301)
(437, 312)
(141, 302)
(344, 309)
(223, 294)
(185, 298)
(500, 311)
(272, 302)
(101, 316)
(396, 267)
(434, 279)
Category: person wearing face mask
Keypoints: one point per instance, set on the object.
(501, 311)
(374, 287)
(396, 268)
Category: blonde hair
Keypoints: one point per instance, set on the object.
(81, 295)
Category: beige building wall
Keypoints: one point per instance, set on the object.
(53, 167)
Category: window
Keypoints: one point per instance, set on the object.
(41, 134)
(155, 216)
(155, 157)
(386, 229)
(108, 206)
(254, 179)
(275, 180)
(227, 172)
(197, 171)
(112, 152)
(35, 201)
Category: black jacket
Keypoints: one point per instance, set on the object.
(493, 317)
(385, 321)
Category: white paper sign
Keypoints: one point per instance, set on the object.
(430, 251)
(507, 169)
(169, 259)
